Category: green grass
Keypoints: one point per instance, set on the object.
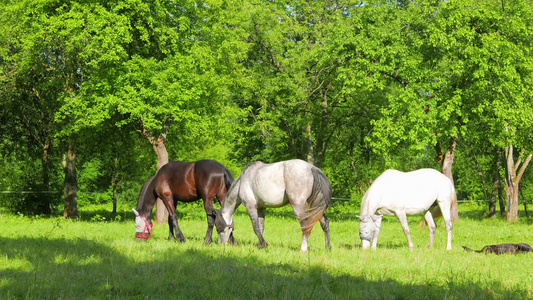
(97, 257)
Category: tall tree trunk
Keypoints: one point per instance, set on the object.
(446, 166)
(158, 145)
(71, 181)
(44, 206)
(445, 160)
(503, 212)
(309, 144)
(160, 150)
(114, 184)
(354, 170)
(493, 197)
(513, 180)
(525, 203)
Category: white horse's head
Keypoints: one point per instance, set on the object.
(143, 228)
(224, 230)
(367, 230)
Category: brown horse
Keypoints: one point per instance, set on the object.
(184, 182)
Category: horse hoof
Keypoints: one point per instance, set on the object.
(179, 239)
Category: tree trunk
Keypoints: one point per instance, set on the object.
(309, 145)
(114, 185)
(513, 180)
(162, 159)
(160, 150)
(71, 181)
(445, 160)
(500, 201)
(493, 197)
(446, 166)
(114, 200)
(525, 203)
(354, 170)
(44, 206)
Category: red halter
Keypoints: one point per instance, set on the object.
(143, 234)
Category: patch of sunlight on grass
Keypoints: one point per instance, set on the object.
(16, 264)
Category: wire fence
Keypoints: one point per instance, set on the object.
(130, 194)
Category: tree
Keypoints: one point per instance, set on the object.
(305, 77)
(490, 77)
(476, 70)
(169, 65)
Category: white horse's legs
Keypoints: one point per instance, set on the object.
(449, 228)
(432, 228)
(446, 215)
(403, 221)
(378, 225)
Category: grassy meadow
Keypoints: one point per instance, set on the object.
(97, 257)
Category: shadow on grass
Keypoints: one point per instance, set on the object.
(59, 268)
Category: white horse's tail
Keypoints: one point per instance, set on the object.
(436, 212)
(319, 200)
(454, 198)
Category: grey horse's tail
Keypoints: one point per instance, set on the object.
(319, 200)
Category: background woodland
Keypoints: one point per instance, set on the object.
(96, 95)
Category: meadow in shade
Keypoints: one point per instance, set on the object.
(97, 257)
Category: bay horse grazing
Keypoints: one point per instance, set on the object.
(401, 194)
(262, 186)
(503, 248)
(184, 182)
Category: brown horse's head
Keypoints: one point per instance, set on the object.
(143, 227)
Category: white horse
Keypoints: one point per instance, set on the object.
(401, 194)
(262, 186)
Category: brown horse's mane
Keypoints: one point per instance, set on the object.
(142, 205)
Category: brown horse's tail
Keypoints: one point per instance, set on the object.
(228, 178)
(319, 200)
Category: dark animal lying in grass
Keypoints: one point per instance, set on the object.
(503, 248)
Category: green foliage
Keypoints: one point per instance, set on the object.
(354, 87)
(20, 186)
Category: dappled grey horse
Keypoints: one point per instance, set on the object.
(401, 194)
(261, 186)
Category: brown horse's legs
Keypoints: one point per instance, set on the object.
(172, 220)
(170, 229)
(211, 215)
